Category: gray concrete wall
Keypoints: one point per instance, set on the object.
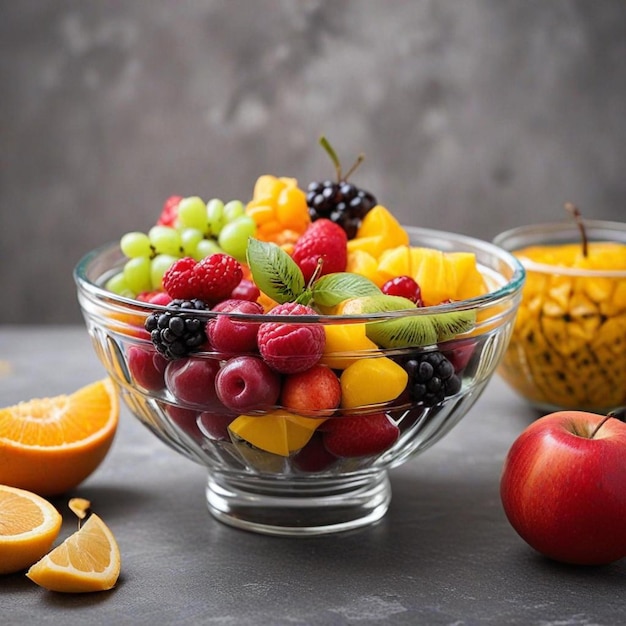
(475, 115)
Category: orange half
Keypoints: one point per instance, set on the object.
(50, 445)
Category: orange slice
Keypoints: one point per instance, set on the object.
(88, 560)
(28, 527)
(50, 445)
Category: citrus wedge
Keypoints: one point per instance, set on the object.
(50, 445)
(28, 527)
(88, 560)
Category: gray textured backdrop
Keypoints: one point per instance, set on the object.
(475, 115)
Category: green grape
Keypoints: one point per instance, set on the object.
(159, 265)
(233, 210)
(207, 247)
(234, 236)
(135, 244)
(137, 274)
(215, 215)
(192, 213)
(190, 238)
(117, 284)
(165, 240)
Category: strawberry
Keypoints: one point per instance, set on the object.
(211, 280)
(169, 213)
(359, 435)
(322, 239)
(289, 347)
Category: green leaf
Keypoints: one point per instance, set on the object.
(274, 271)
(332, 289)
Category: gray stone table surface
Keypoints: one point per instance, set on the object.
(444, 553)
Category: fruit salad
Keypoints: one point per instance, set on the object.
(567, 347)
(265, 327)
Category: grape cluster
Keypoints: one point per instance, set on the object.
(342, 203)
(198, 230)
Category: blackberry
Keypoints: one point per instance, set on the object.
(177, 333)
(431, 378)
(341, 201)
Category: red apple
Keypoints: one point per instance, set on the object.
(563, 487)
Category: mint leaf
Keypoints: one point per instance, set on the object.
(274, 271)
(332, 289)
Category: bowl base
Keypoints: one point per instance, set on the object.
(293, 507)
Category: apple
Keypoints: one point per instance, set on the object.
(563, 487)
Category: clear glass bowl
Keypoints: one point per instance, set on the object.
(568, 347)
(304, 490)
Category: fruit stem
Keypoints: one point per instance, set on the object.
(600, 425)
(618, 414)
(333, 156)
(573, 209)
(356, 164)
(337, 163)
(316, 272)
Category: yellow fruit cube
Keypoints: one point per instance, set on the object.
(378, 232)
(363, 263)
(279, 432)
(345, 343)
(395, 262)
(372, 381)
(428, 269)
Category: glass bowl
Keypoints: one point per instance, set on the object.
(568, 347)
(291, 480)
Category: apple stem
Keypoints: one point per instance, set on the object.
(574, 210)
(618, 414)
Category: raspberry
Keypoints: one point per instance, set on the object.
(322, 239)
(290, 347)
(404, 286)
(169, 213)
(212, 279)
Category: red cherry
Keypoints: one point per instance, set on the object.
(404, 286)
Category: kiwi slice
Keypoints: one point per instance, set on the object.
(404, 332)
(453, 323)
(417, 331)
(375, 304)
